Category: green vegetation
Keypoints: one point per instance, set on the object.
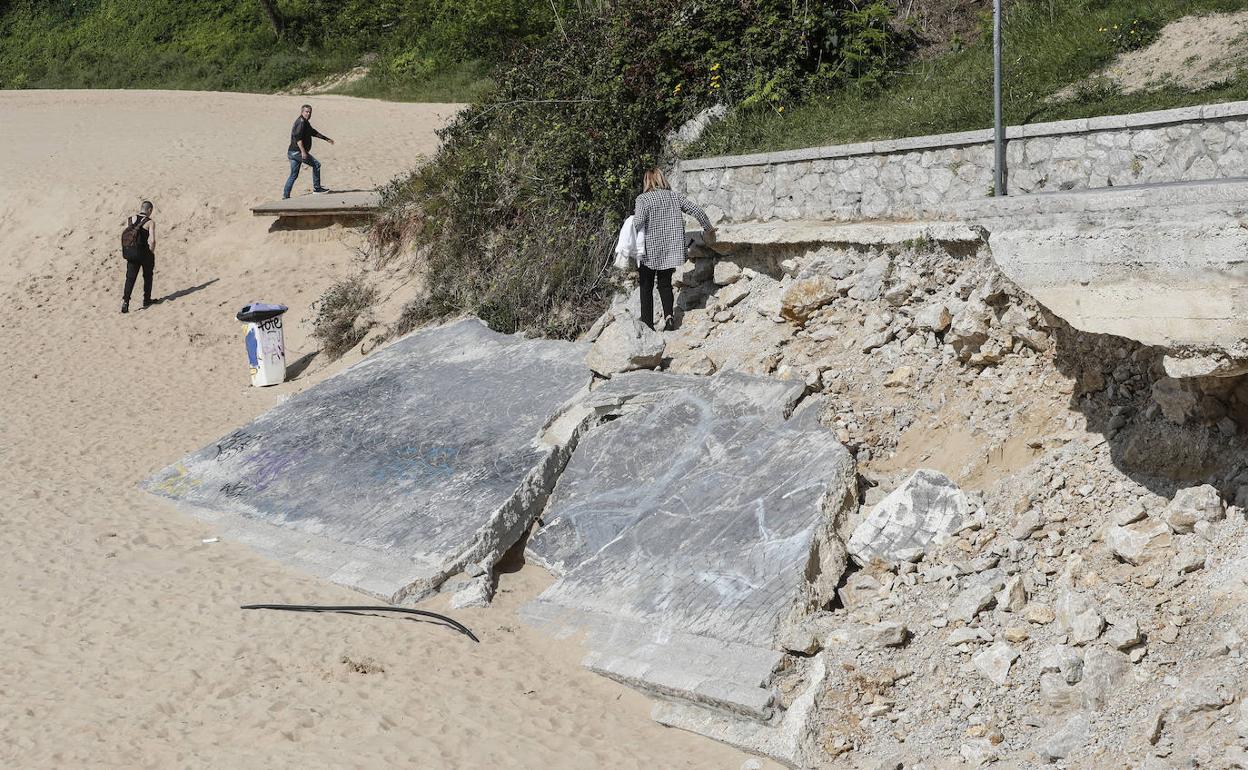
(415, 49)
(342, 315)
(516, 216)
(1048, 46)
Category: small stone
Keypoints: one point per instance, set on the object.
(803, 298)
(1058, 694)
(888, 634)
(925, 510)
(1013, 598)
(1070, 738)
(1169, 633)
(899, 377)
(1124, 635)
(934, 317)
(971, 602)
(1040, 614)
(1060, 659)
(1016, 634)
(1103, 671)
(726, 272)
(1086, 627)
(1140, 542)
(1202, 503)
(751, 764)
(1130, 514)
(733, 294)
(1191, 558)
(967, 636)
(1026, 524)
(995, 661)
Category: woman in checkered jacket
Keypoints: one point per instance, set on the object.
(659, 213)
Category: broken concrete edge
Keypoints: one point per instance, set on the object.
(508, 524)
(790, 738)
(1207, 362)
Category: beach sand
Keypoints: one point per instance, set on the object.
(122, 642)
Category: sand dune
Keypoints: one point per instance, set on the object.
(122, 640)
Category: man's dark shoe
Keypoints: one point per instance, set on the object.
(125, 307)
(319, 190)
(149, 302)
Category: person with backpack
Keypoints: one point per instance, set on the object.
(138, 243)
(300, 151)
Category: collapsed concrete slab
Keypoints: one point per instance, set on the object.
(689, 531)
(432, 454)
(1163, 264)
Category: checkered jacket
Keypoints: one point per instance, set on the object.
(660, 213)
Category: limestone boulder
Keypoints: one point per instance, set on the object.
(626, 344)
(803, 297)
(923, 511)
(1192, 505)
(1140, 542)
(969, 330)
(934, 317)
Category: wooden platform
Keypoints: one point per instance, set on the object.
(332, 204)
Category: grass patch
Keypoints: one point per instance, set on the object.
(458, 82)
(1047, 47)
(343, 315)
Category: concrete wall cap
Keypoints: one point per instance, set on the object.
(1139, 120)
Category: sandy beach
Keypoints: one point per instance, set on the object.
(123, 644)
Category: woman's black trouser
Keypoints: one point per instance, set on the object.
(647, 292)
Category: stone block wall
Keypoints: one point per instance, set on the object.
(922, 177)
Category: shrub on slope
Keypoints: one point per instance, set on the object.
(517, 214)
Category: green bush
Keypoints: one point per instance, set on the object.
(516, 215)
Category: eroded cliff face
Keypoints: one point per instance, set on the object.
(1082, 603)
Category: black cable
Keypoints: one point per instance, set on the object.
(460, 627)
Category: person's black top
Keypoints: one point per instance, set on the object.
(303, 130)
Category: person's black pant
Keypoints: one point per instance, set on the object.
(132, 273)
(647, 292)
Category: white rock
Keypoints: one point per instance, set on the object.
(1194, 504)
(934, 317)
(726, 272)
(1140, 542)
(733, 294)
(995, 661)
(1060, 659)
(1124, 634)
(1086, 627)
(925, 510)
(625, 344)
(1013, 598)
(971, 602)
(1070, 738)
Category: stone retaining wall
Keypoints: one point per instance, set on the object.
(921, 177)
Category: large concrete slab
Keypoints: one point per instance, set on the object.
(331, 204)
(689, 530)
(431, 454)
(1164, 264)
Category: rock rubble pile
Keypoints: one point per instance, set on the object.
(1050, 554)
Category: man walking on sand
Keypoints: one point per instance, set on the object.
(138, 246)
(300, 151)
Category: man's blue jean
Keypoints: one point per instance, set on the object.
(295, 161)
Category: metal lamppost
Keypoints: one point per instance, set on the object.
(998, 179)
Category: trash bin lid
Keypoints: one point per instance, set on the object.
(260, 311)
